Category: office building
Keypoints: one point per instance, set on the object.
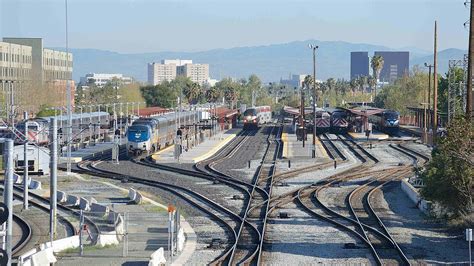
(198, 73)
(295, 81)
(169, 69)
(396, 65)
(359, 64)
(100, 79)
(31, 68)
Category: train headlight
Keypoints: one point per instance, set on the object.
(245, 120)
(255, 120)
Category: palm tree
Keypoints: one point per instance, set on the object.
(193, 92)
(230, 95)
(377, 64)
(372, 83)
(308, 81)
(362, 81)
(353, 84)
(213, 94)
(331, 84)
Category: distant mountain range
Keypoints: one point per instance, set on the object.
(269, 62)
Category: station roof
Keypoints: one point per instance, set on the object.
(296, 111)
(151, 111)
(225, 112)
(365, 111)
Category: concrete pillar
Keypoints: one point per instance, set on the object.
(8, 196)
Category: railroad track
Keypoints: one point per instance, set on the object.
(331, 149)
(249, 247)
(26, 234)
(220, 214)
(43, 205)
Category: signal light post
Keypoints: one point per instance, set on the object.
(314, 47)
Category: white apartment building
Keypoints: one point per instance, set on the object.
(170, 68)
(100, 79)
(15, 62)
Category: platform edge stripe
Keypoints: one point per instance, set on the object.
(215, 149)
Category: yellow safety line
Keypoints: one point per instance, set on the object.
(321, 148)
(284, 139)
(215, 149)
(155, 155)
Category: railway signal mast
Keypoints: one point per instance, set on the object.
(313, 151)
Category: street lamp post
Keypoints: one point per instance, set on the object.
(314, 47)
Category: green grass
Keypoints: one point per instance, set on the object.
(86, 248)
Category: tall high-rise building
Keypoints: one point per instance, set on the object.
(396, 65)
(170, 68)
(359, 64)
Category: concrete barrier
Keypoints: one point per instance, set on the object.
(113, 217)
(414, 196)
(43, 257)
(157, 258)
(25, 258)
(181, 239)
(100, 210)
(120, 228)
(107, 238)
(72, 200)
(61, 196)
(134, 196)
(34, 184)
(92, 200)
(84, 204)
(132, 193)
(17, 179)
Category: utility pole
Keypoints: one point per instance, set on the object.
(314, 47)
(469, 65)
(53, 165)
(8, 196)
(25, 165)
(69, 107)
(435, 84)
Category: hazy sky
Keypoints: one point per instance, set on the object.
(191, 25)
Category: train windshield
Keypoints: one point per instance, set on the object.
(250, 112)
(390, 116)
(138, 133)
(339, 115)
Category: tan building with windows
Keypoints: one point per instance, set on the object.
(158, 73)
(198, 73)
(169, 69)
(35, 75)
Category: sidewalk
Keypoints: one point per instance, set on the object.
(199, 153)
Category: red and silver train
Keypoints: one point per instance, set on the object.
(255, 116)
(89, 124)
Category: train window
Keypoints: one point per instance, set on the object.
(250, 112)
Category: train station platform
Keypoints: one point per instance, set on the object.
(90, 152)
(373, 136)
(293, 148)
(200, 152)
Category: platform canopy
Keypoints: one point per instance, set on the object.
(296, 111)
(365, 111)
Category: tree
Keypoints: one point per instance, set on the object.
(193, 92)
(213, 94)
(45, 110)
(362, 81)
(449, 175)
(353, 85)
(162, 95)
(372, 81)
(231, 95)
(408, 90)
(308, 81)
(331, 84)
(377, 64)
